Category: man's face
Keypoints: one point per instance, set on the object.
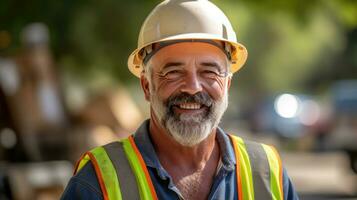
(188, 89)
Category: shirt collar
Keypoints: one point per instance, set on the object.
(145, 146)
(226, 149)
(144, 143)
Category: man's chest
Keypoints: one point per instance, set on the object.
(222, 186)
(195, 186)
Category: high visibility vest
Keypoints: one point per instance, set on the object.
(122, 173)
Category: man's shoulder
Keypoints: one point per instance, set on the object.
(83, 184)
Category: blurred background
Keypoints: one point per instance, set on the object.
(65, 88)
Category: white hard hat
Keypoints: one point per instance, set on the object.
(175, 20)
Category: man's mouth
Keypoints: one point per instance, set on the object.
(190, 106)
(183, 103)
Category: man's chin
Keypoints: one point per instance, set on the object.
(187, 142)
(188, 132)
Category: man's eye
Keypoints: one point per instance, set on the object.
(209, 73)
(172, 74)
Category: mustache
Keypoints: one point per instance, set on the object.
(200, 97)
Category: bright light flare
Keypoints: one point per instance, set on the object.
(286, 105)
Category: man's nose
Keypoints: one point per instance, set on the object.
(192, 84)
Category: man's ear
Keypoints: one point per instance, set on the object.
(145, 86)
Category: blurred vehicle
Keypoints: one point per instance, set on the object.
(343, 133)
(286, 115)
(344, 95)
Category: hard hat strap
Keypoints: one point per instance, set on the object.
(152, 49)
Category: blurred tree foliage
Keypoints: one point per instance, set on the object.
(291, 43)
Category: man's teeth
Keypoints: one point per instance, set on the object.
(191, 106)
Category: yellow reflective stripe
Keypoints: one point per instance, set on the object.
(83, 161)
(244, 172)
(106, 173)
(143, 183)
(275, 172)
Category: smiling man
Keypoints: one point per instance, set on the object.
(186, 56)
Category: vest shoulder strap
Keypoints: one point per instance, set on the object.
(105, 172)
(258, 171)
(120, 162)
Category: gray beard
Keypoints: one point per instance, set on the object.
(187, 129)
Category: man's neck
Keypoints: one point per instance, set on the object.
(192, 169)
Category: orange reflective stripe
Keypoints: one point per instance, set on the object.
(143, 166)
(239, 179)
(243, 169)
(100, 176)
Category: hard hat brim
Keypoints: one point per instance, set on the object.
(239, 55)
